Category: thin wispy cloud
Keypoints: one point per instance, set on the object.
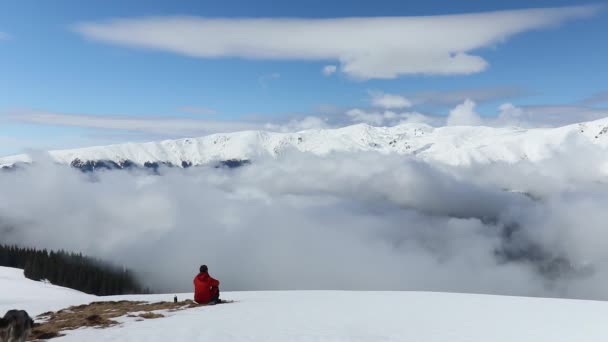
(558, 115)
(4, 36)
(599, 98)
(198, 110)
(265, 80)
(456, 96)
(157, 128)
(377, 47)
(168, 126)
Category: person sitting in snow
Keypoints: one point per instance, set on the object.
(206, 288)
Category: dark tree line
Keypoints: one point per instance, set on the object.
(71, 270)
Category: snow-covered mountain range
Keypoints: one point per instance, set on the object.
(454, 145)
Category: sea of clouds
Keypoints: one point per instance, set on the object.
(361, 221)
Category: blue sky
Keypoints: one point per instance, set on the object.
(75, 74)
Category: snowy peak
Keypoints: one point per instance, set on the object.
(454, 145)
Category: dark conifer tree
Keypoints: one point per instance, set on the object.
(71, 270)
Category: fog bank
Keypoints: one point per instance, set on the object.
(345, 221)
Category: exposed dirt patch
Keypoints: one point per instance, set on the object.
(150, 315)
(99, 315)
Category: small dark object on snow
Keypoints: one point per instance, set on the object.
(175, 299)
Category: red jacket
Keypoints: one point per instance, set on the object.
(203, 283)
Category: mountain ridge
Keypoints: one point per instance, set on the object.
(453, 145)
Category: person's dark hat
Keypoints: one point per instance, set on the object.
(204, 269)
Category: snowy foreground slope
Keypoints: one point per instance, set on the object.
(16, 291)
(333, 316)
(456, 145)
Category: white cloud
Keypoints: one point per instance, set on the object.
(378, 47)
(329, 70)
(511, 115)
(443, 227)
(526, 116)
(420, 118)
(386, 117)
(4, 36)
(360, 115)
(464, 115)
(389, 101)
(296, 125)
